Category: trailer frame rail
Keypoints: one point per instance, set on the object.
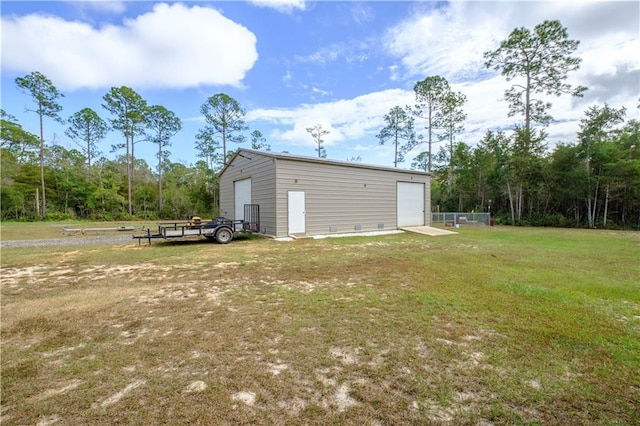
(219, 229)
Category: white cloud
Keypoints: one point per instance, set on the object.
(351, 52)
(322, 56)
(450, 39)
(347, 120)
(171, 46)
(100, 5)
(361, 13)
(354, 123)
(393, 73)
(282, 6)
(320, 92)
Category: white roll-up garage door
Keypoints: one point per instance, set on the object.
(242, 190)
(410, 204)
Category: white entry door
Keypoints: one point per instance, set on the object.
(296, 214)
(410, 204)
(242, 190)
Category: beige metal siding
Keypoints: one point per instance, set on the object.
(261, 170)
(342, 198)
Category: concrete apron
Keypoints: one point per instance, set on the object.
(428, 230)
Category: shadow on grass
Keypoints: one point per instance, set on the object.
(203, 241)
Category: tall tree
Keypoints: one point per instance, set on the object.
(224, 117)
(69, 187)
(567, 180)
(129, 109)
(45, 96)
(493, 154)
(317, 133)
(596, 128)
(398, 127)
(626, 170)
(421, 162)
(258, 141)
(162, 125)
(207, 146)
(525, 162)
(107, 200)
(538, 62)
(430, 94)
(15, 139)
(453, 117)
(466, 182)
(86, 130)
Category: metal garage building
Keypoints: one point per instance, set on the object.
(311, 196)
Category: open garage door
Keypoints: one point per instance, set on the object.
(242, 191)
(410, 204)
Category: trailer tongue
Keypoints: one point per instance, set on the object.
(220, 229)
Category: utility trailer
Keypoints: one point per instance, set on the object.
(219, 229)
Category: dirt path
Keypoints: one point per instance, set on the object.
(69, 241)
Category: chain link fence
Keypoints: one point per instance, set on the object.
(461, 219)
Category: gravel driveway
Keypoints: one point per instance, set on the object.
(70, 241)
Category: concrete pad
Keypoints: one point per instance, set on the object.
(428, 230)
(349, 234)
(358, 234)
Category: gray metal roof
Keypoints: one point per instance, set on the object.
(286, 156)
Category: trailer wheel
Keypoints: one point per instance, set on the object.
(224, 235)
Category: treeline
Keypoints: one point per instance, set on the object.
(593, 181)
(41, 181)
(99, 192)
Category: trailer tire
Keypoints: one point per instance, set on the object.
(224, 235)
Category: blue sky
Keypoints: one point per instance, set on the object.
(293, 64)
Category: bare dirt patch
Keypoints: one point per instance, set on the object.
(116, 397)
(64, 388)
(313, 332)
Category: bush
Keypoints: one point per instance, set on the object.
(556, 221)
(58, 216)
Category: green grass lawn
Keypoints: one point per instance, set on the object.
(43, 230)
(495, 325)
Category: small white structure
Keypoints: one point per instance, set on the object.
(305, 196)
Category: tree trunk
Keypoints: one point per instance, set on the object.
(513, 218)
(595, 205)
(395, 161)
(527, 107)
(128, 161)
(87, 141)
(37, 203)
(160, 176)
(606, 207)
(43, 212)
(519, 200)
(429, 163)
(224, 148)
